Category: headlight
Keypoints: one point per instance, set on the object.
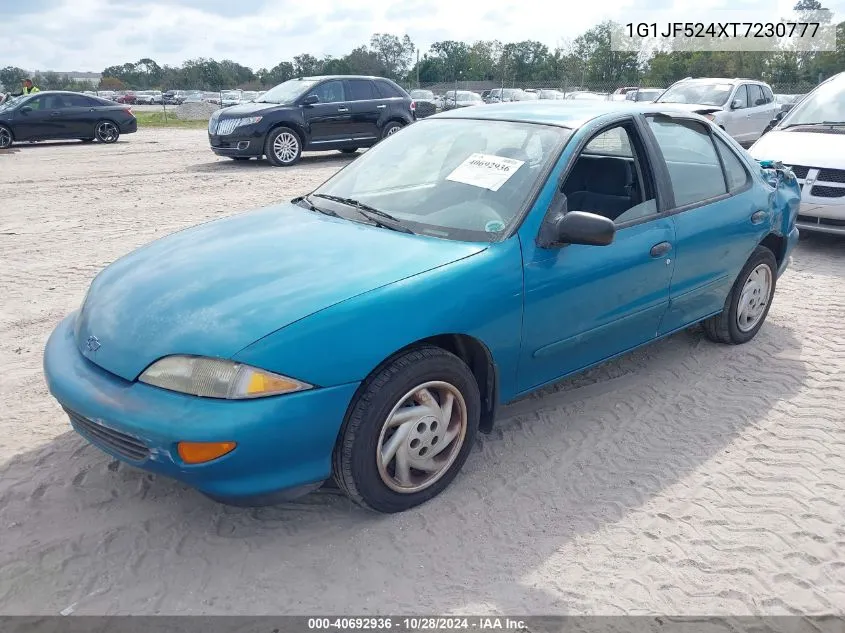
(248, 120)
(217, 378)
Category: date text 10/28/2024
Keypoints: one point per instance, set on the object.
(415, 624)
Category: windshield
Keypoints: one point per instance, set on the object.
(698, 93)
(422, 94)
(459, 179)
(288, 92)
(647, 95)
(825, 103)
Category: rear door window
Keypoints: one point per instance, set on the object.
(361, 90)
(755, 96)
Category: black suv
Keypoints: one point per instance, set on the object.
(314, 114)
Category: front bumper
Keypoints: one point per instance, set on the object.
(822, 218)
(284, 443)
(236, 144)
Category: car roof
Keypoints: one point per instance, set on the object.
(321, 77)
(569, 114)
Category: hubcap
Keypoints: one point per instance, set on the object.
(5, 138)
(285, 147)
(754, 298)
(422, 437)
(392, 130)
(106, 132)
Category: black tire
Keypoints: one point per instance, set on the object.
(349, 150)
(6, 137)
(355, 467)
(724, 327)
(287, 137)
(391, 128)
(106, 131)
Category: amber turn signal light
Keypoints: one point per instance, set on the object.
(201, 452)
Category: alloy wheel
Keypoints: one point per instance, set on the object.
(286, 147)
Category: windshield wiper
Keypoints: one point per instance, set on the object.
(814, 124)
(376, 216)
(312, 207)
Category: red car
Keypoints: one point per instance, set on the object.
(128, 97)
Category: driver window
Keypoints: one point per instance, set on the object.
(330, 92)
(610, 178)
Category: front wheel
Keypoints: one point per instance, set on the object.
(283, 147)
(5, 137)
(748, 303)
(106, 132)
(409, 431)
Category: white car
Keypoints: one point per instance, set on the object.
(810, 138)
(741, 107)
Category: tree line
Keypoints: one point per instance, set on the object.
(586, 60)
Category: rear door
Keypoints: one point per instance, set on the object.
(366, 106)
(79, 115)
(329, 119)
(719, 217)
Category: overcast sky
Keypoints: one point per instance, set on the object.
(88, 35)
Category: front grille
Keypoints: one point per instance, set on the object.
(828, 192)
(806, 219)
(227, 126)
(800, 171)
(831, 175)
(121, 443)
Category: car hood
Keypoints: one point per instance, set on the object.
(249, 109)
(216, 288)
(811, 149)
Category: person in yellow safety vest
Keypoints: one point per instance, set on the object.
(29, 88)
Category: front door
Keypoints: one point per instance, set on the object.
(585, 304)
(34, 120)
(738, 122)
(328, 120)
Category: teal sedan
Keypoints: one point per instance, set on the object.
(367, 331)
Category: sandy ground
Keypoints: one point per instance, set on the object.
(684, 478)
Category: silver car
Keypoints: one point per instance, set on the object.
(811, 139)
(741, 107)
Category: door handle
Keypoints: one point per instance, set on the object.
(758, 217)
(381, 107)
(343, 109)
(659, 250)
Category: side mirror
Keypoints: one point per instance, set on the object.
(736, 104)
(311, 100)
(25, 109)
(576, 227)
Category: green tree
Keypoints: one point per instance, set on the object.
(306, 65)
(395, 54)
(11, 78)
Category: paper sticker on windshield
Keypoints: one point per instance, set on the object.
(486, 171)
(494, 226)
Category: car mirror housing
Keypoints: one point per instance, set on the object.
(310, 100)
(26, 109)
(736, 104)
(563, 227)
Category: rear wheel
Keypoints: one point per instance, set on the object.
(391, 128)
(6, 137)
(409, 431)
(748, 303)
(106, 132)
(283, 147)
